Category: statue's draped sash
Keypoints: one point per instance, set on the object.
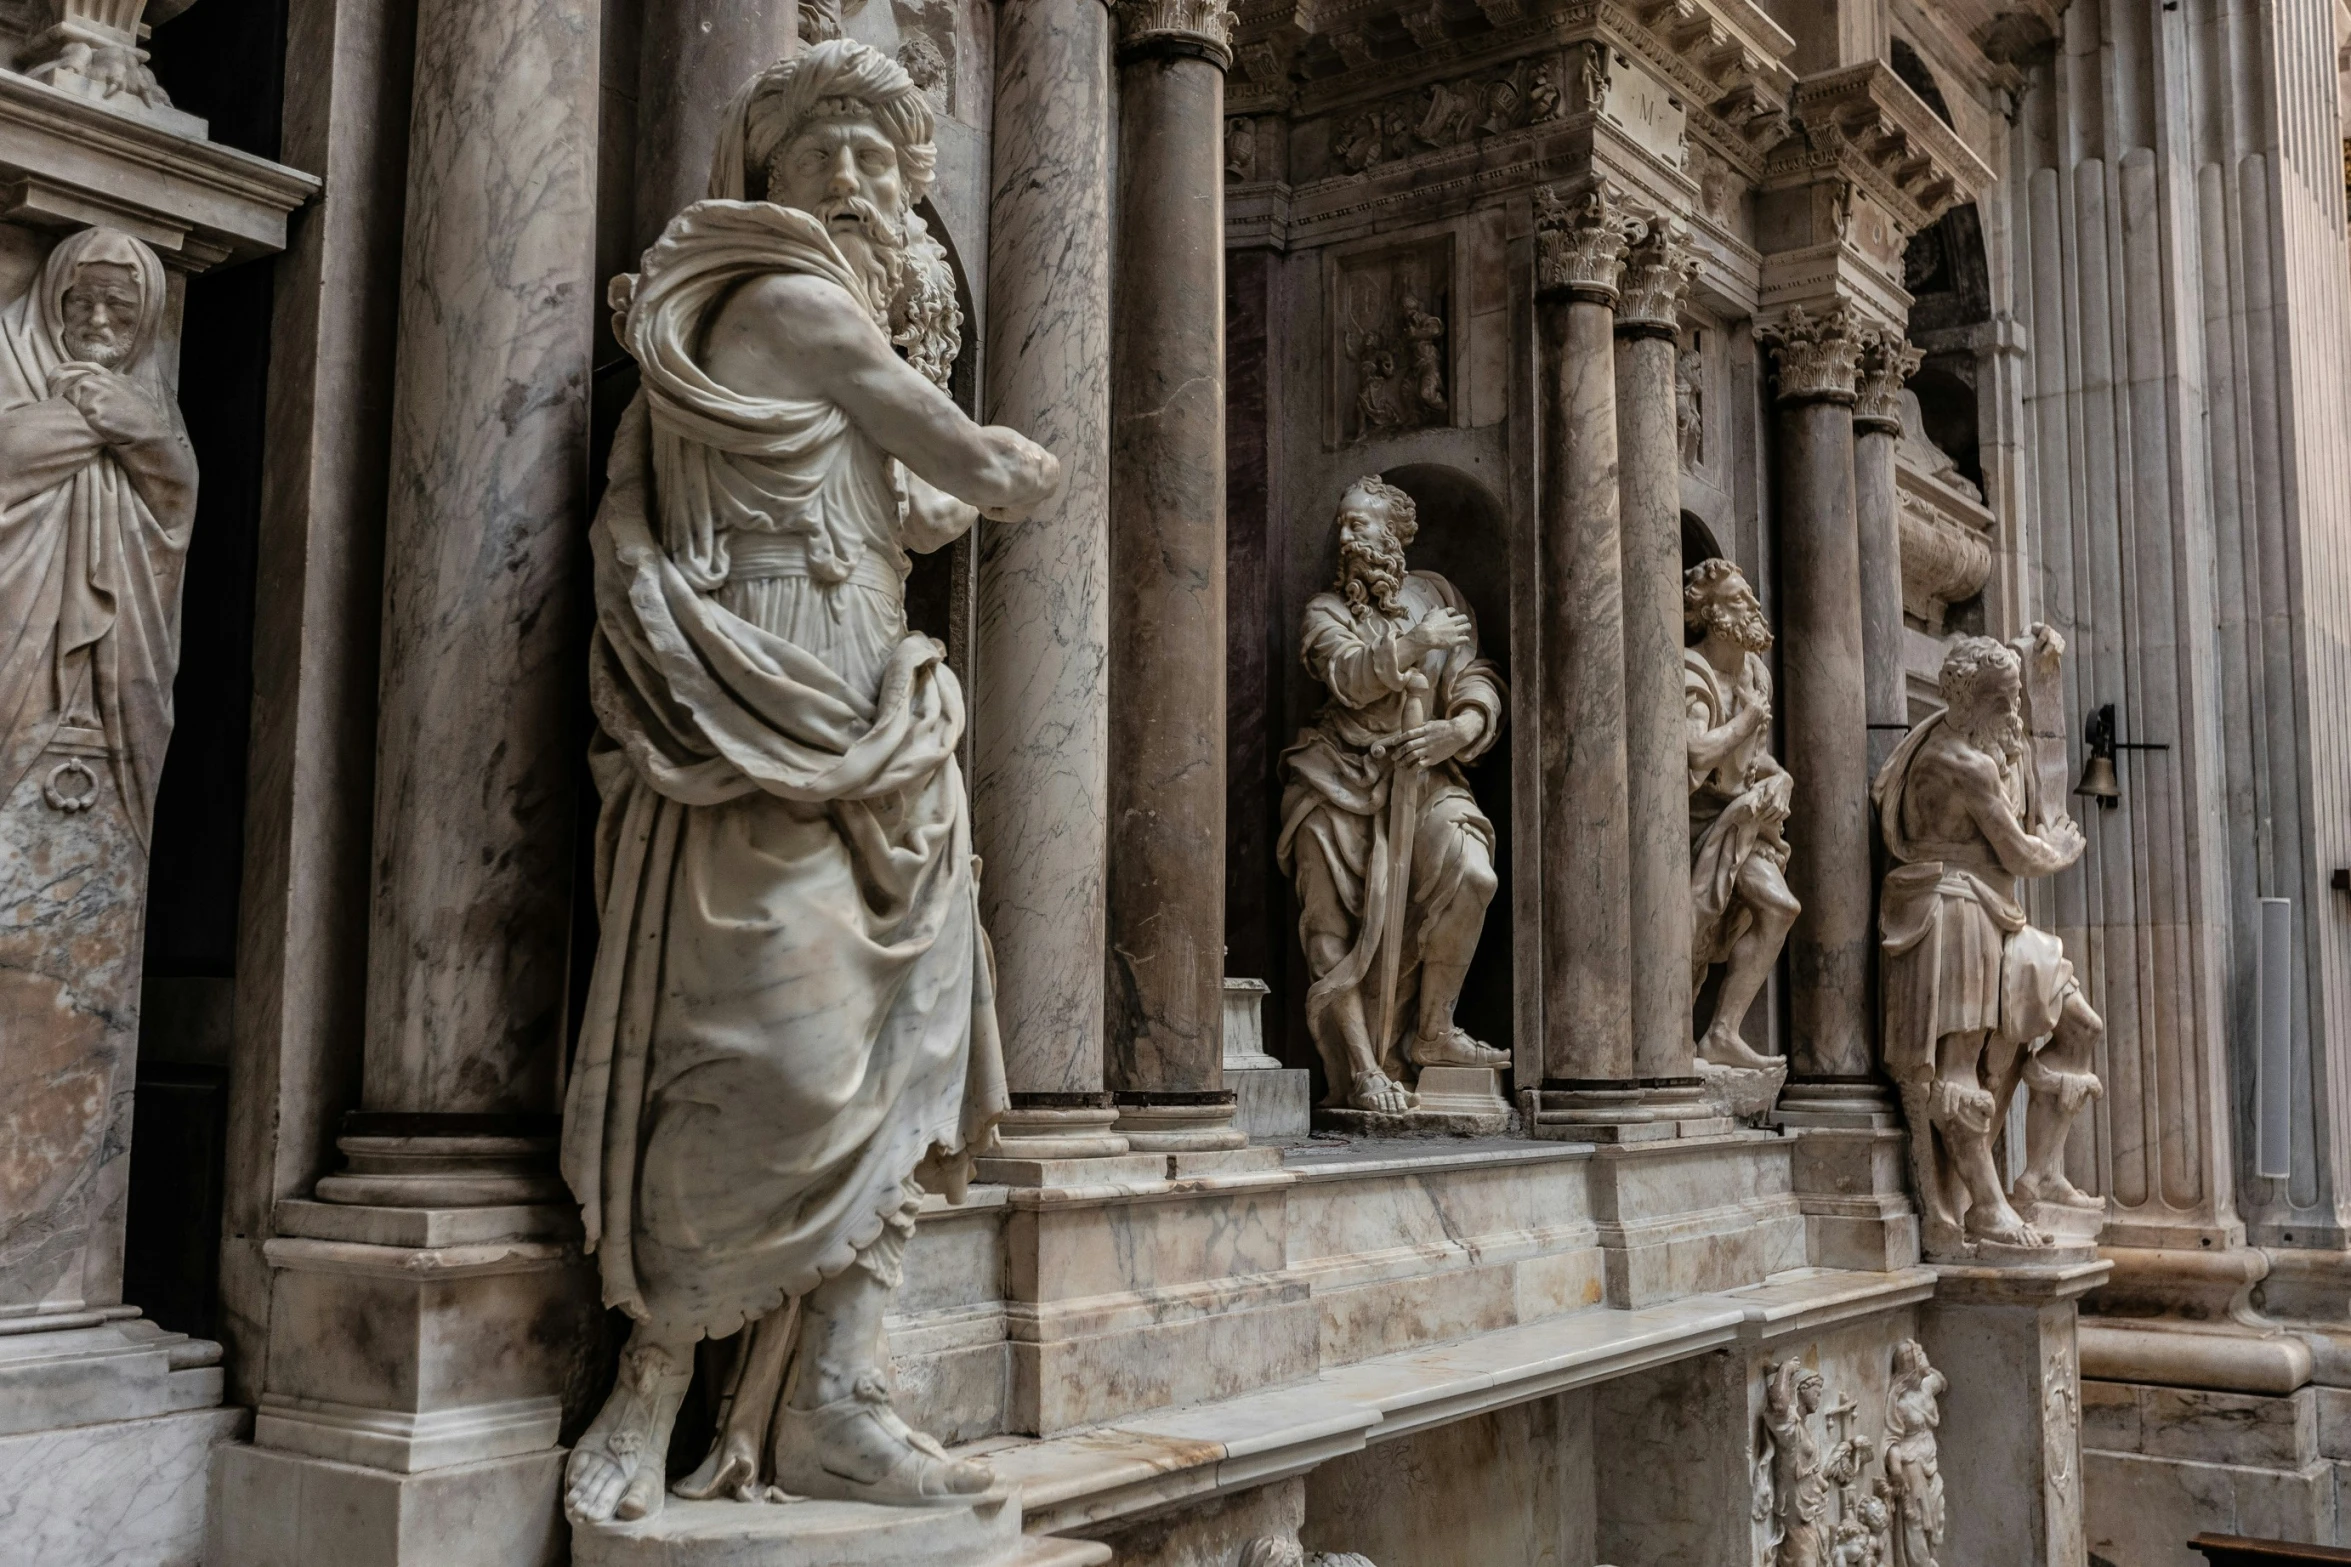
(792, 1006)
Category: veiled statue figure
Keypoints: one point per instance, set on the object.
(1394, 862)
(1739, 797)
(97, 496)
(1977, 1000)
(1914, 1479)
(790, 1030)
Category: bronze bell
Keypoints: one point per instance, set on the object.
(2098, 780)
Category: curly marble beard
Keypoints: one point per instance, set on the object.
(1372, 577)
(876, 247)
(1993, 728)
(1743, 624)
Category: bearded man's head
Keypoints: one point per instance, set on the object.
(1983, 686)
(842, 133)
(1717, 597)
(102, 310)
(1376, 521)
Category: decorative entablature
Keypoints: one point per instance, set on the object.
(1863, 125)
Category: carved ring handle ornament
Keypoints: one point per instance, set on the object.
(81, 798)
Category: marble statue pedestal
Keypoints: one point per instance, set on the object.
(2011, 1448)
(1851, 1168)
(1457, 1101)
(982, 1533)
(1273, 1104)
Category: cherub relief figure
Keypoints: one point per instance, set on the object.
(1394, 862)
(1977, 1000)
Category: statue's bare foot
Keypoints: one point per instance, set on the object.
(858, 1450)
(2054, 1189)
(1723, 1046)
(1999, 1223)
(615, 1470)
(1379, 1093)
(1454, 1047)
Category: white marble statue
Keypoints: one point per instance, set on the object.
(1913, 1486)
(97, 496)
(1801, 1531)
(1739, 798)
(790, 1032)
(1394, 863)
(1977, 1000)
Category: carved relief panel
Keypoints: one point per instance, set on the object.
(1393, 337)
(1441, 115)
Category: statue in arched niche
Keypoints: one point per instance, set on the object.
(1393, 860)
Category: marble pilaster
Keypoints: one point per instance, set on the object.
(1886, 362)
(1040, 709)
(1658, 272)
(691, 55)
(482, 547)
(1827, 744)
(1585, 858)
(1167, 676)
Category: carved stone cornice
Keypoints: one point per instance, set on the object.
(1816, 355)
(1659, 268)
(1200, 28)
(1887, 361)
(1864, 124)
(1580, 241)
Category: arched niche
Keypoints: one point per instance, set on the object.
(1698, 541)
(1464, 538)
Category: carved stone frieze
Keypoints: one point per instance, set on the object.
(1887, 362)
(1659, 267)
(1392, 371)
(1580, 240)
(1201, 27)
(1447, 114)
(1817, 355)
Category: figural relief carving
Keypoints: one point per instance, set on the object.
(790, 1034)
(1978, 1001)
(1447, 114)
(1391, 367)
(1393, 860)
(1815, 1501)
(1913, 1484)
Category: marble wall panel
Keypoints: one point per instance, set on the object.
(1215, 1533)
(125, 1493)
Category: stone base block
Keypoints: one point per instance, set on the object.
(110, 1366)
(273, 1509)
(984, 1533)
(2142, 1511)
(1276, 1104)
(1852, 1185)
(1455, 1101)
(113, 1494)
(1690, 1217)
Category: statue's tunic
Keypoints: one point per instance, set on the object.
(1733, 816)
(1335, 810)
(1959, 956)
(792, 1006)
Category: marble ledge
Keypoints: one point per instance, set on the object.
(415, 1263)
(1097, 1476)
(1413, 1156)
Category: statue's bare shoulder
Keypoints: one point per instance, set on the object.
(790, 334)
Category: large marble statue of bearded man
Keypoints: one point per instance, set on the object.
(791, 1030)
(1393, 860)
(97, 495)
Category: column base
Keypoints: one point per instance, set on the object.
(276, 1509)
(1619, 1112)
(1059, 1126)
(1180, 1122)
(1838, 1102)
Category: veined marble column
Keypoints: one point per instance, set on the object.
(476, 749)
(1587, 944)
(691, 57)
(1886, 363)
(1167, 567)
(1167, 674)
(1041, 704)
(1827, 709)
(1657, 275)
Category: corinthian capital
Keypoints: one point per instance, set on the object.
(1196, 27)
(1816, 354)
(1887, 360)
(1658, 271)
(1580, 241)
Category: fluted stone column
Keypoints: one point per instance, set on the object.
(691, 57)
(1589, 1066)
(1167, 675)
(1886, 363)
(1657, 275)
(1041, 702)
(1824, 701)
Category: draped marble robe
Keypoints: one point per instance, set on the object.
(792, 1008)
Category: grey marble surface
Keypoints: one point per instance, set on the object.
(1040, 718)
